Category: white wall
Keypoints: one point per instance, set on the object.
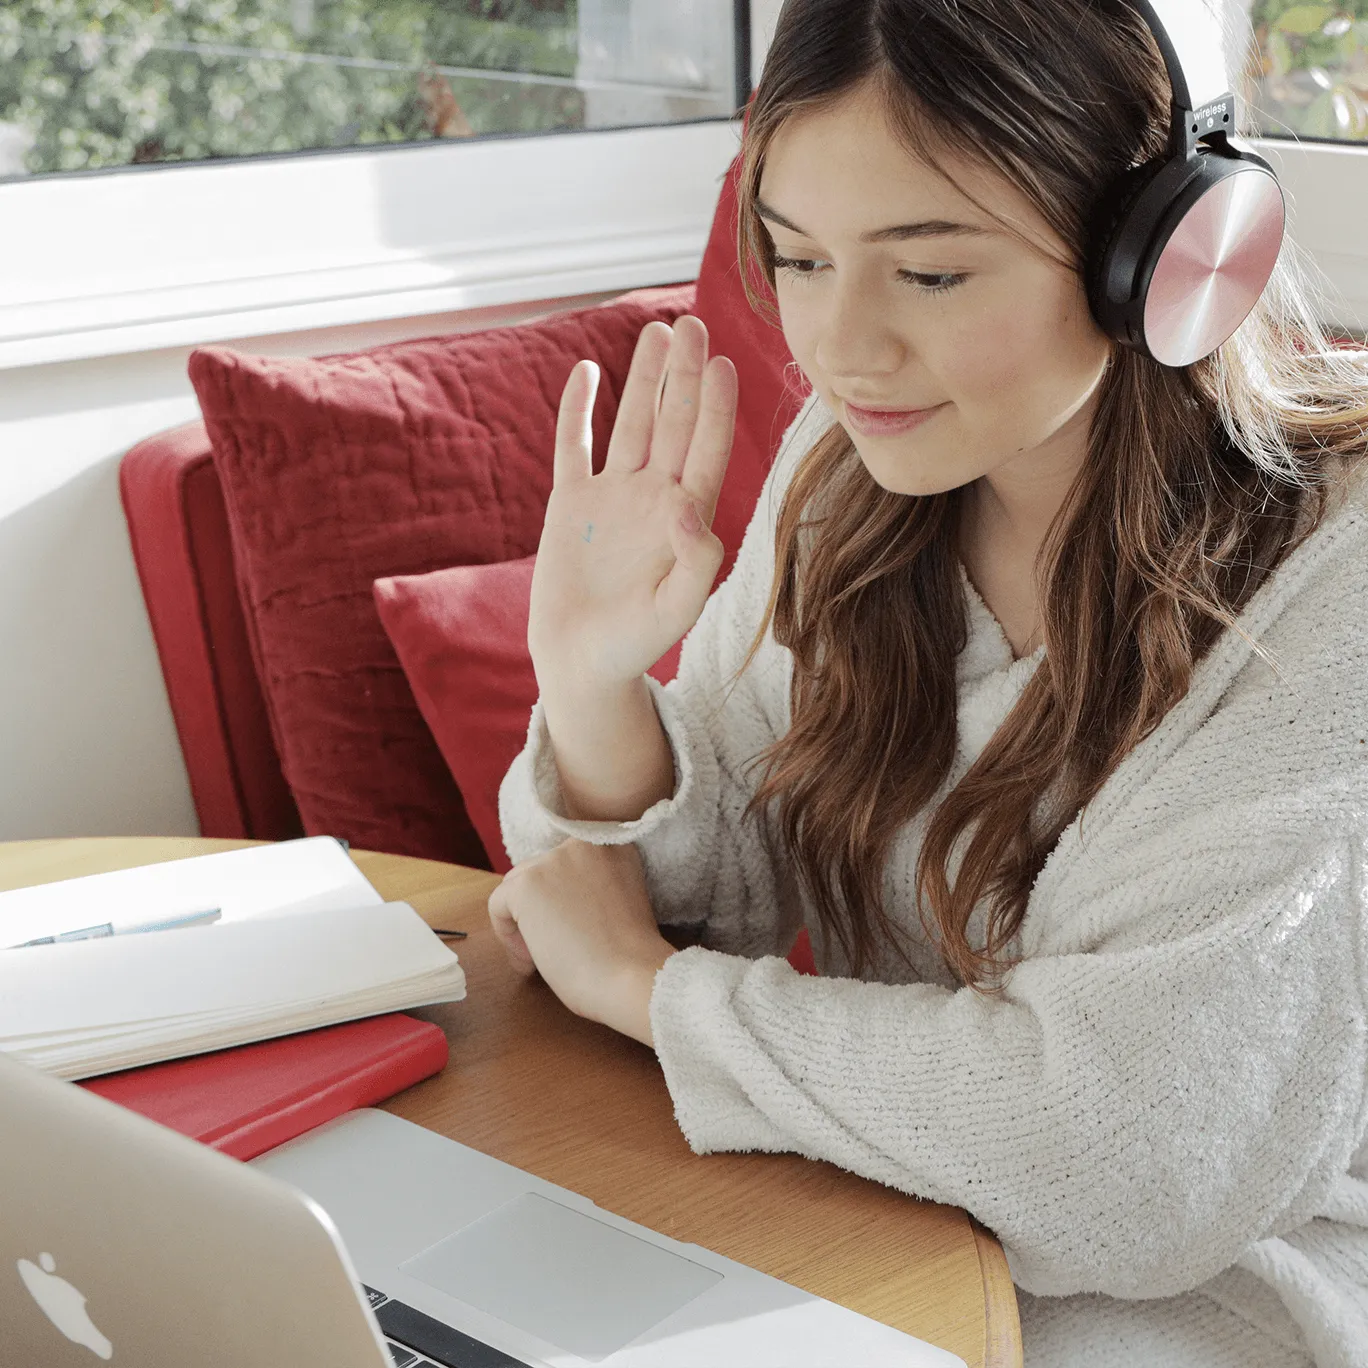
(87, 745)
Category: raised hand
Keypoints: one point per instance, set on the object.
(627, 557)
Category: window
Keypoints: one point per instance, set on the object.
(97, 84)
(1306, 84)
(1310, 69)
(300, 167)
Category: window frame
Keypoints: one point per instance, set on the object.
(210, 251)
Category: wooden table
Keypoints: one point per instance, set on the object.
(579, 1105)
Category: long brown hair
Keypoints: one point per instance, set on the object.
(1189, 497)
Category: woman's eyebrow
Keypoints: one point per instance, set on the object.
(902, 232)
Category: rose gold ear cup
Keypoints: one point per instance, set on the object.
(1214, 267)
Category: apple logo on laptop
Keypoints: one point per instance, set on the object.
(63, 1305)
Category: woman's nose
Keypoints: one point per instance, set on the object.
(855, 339)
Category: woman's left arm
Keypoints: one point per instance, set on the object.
(1126, 1119)
(1179, 1065)
(1126, 1122)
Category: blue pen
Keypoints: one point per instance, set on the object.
(102, 929)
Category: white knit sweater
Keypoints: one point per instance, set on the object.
(1163, 1116)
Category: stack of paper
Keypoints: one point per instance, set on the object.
(330, 950)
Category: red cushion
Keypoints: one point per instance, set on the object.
(461, 636)
(340, 470)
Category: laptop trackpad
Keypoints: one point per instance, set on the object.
(578, 1283)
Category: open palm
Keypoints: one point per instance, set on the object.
(624, 569)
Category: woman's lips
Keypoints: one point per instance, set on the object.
(875, 423)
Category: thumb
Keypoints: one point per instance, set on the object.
(698, 557)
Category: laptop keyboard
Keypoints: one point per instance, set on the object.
(419, 1341)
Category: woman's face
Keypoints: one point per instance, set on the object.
(986, 329)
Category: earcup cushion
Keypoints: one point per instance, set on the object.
(1106, 223)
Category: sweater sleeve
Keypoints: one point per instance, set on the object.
(1176, 1070)
(704, 866)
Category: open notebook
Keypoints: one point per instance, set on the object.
(303, 940)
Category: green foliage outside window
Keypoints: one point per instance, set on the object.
(101, 83)
(1312, 68)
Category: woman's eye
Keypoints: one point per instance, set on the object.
(798, 266)
(804, 268)
(933, 284)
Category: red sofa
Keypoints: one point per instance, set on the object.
(183, 497)
(181, 544)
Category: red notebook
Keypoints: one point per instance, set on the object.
(249, 1099)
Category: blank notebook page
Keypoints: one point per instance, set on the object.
(313, 873)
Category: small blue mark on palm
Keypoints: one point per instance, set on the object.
(589, 533)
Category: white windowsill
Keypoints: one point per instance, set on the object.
(209, 253)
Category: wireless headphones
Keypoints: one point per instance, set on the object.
(1184, 245)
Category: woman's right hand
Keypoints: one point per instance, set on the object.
(624, 570)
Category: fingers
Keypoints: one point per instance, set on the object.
(506, 929)
(630, 444)
(672, 392)
(681, 399)
(575, 425)
(710, 448)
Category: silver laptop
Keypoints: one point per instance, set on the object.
(367, 1243)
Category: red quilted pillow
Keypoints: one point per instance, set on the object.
(340, 470)
(461, 636)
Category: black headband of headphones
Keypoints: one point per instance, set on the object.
(1190, 37)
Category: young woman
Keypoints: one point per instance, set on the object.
(1046, 712)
